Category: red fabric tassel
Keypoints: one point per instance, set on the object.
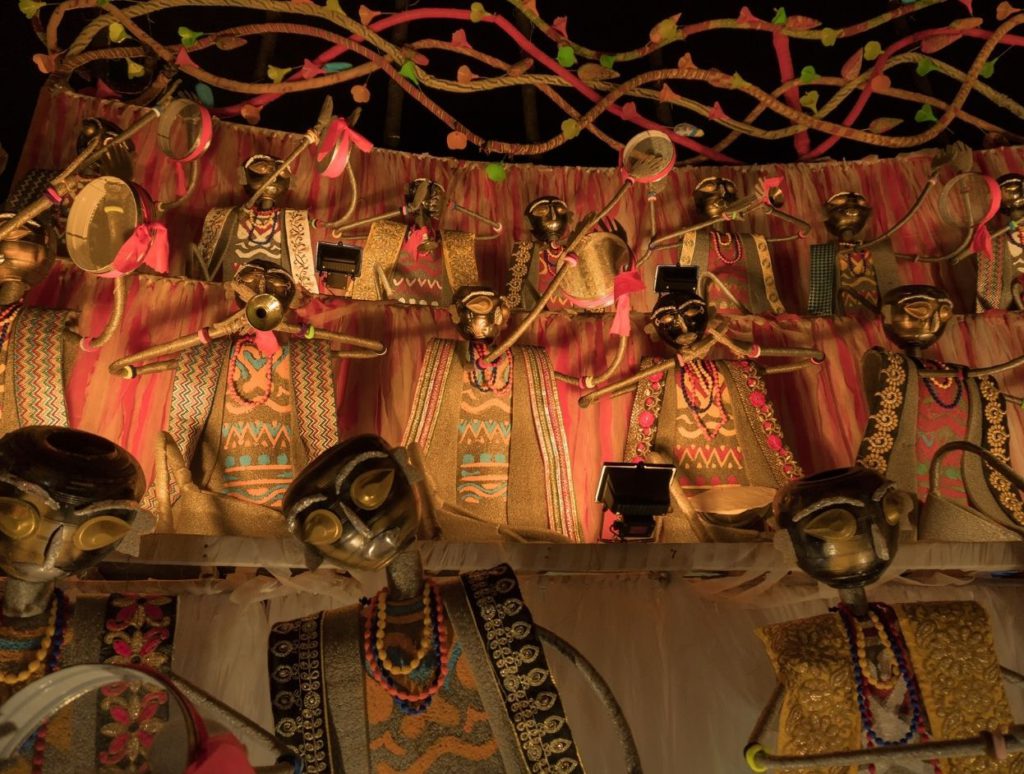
(626, 283)
(222, 754)
(344, 136)
(147, 245)
(982, 242)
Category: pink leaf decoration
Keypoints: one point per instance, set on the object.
(367, 15)
(183, 59)
(969, 5)
(746, 16)
(46, 63)
(686, 62)
(251, 114)
(459, 39)
(629, 109)
(853, 65)
(937, 43)
(465, 75)
(716, 113)
(1004, 11)
(560, 24)
(666, 94)
(310, 69)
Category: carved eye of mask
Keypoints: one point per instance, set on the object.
(100, 532)
(666, 317)
(480, 304)
(833, 524)
(321, 527)
(921, 309)
(542, 210)
(371, 489)
(18, 519)
(945, 311)
(895, 505)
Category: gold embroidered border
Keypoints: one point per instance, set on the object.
(522, 254)
(997, 441)
(300, 250)
(764, 257)
(762, 420)
(649, 396)
(458, 250)
(429, 392)
(884, 422)
(213, 226)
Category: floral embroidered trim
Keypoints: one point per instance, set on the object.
(643, 421)
(139, 632)
(768, 430)
(997, 441)
(522, 255)
(884, 422)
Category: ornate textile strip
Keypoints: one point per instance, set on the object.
(886, 405)
(939, 423)
(139, 631)
(522, 255)
(856, 273)
(313, 383)
(38, 351)
(298, 692)
(822, 296)
(532, 703)
(764, 257)
(381, 249)
(991, 271)
(195, 384)
(459, 251)
(996, 438)
(429, 392)
(9, 313)
(752, 398)
(484, 442)
(554, 449)
(643, 418)
(213, 227)
(300, 250)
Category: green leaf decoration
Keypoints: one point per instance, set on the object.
(780, 16)
(477, 12)
(808, 74)
(495, 172)
(337, 67)
(872, 50)
(116, 33)
(205, 94)
(738, 80)
(810, 101)
(925, 66)
(277, 74)
(102, 3)
(608, 61)
(988, 68)
(409, 71)
(566, 56)
(925, 115)
(570, 128)
(829, 37)
(333, 5)
(29, 7)
(135, 70)
(189, 37)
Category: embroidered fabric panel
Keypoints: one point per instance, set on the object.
(752, 398)
(7, 316)
(417, 277)
(258, 235)
(727, 260)
(256, 458)
(297, 691)
(856, 272)
(484, 442)
(707, 450)
(643, 419)
(517, 658)
(821, 298)
(547, 267)
(139, 631)
(942, 416)
(884, 422)
(996, 438)
(39, 366)
(429, 392)
(313, 382)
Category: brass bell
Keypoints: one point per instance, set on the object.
(264, 312)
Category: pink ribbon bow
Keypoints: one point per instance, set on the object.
(415, 238)
(221, 754)
(626, 283)
(340, 132)
(147, 245)
(982, 241)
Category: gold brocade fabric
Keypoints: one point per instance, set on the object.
(951, 654)
(857, 275)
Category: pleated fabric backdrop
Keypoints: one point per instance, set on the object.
(822, 408)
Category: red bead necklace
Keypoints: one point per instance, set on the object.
(236, 355)
(720, 240)
(703, 374)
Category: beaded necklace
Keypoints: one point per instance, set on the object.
(703, 374)
(233, 377)
(882, 619)
(723, 239)
(933, 384)
(549, 257)
(490, 377)
(434, 639)
(7, 314)
(263, 223)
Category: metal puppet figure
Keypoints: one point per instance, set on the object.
(408, 257)
(736, 270)
(918, 405)
(1001, 273)
(418, 649)
(711, 418)
(253, 399)
(871, 686)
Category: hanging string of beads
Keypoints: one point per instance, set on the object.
(490, 377)
(721, 239)
(702, 376)
(934, 384)
(49, 642)
(262, 225)
(262, 396)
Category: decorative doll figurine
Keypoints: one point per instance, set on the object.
(464, 657)
(863, 687)
(1000, 275)
(711, 418)
(68, 498)
(735, 268)
(918, 405)
(415, 261)
(247, 410)
(464, 418)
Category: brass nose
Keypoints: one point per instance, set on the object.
(264, 312)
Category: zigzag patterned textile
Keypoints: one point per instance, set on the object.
(39, 367)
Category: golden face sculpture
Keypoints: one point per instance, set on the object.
(713, 195)
(26, 256)
(257, 169)
(424, 203)
(1011, 191)
(844, 524)
(549, 219)
(355, 504)
(479, 313)
(117, 161)
(916, 315)
(846, 214)
(67, 498)
(266, 292)
(680, 319)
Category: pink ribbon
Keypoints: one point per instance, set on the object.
(982, 241)
(626, 283)
(147, 245)
(267, 343)
(767, 184)
(221, 754)
(413, 241)
(340, 132)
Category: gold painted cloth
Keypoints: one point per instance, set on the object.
(742, 261)
(952, 656)
(537, 443)
(484, 440)
(997, 274)
(868, 274)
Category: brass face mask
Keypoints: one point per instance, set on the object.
(479, 314)
(26, 257)
(680, 319)
(257, 169)
(916, 315)
(1011, 192)
(846, 214)
(549, 219)
(355, 504)
(713, 195)
(266, 291)
(424, 203)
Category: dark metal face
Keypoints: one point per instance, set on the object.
(424, 203)
(916, 315)
(549, 219)
(846, 214)
(713, 195)
(1011, 191)
(117, 161)
(680, 319)
(263, 277)
(257, 169)
(479, 313)
(355, 504)
(844, 524)
(26, 256)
